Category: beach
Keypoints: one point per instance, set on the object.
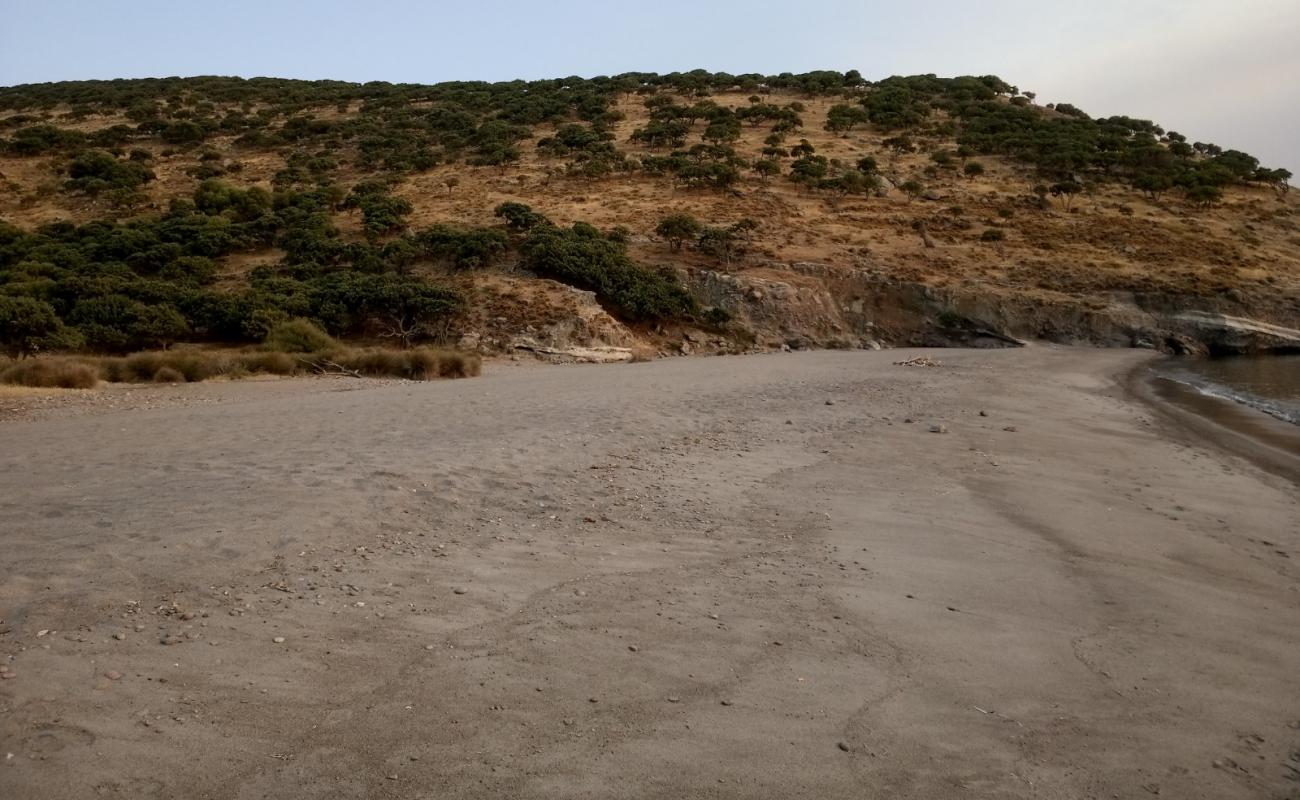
(816, 574)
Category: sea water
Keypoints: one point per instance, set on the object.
(1270, 384)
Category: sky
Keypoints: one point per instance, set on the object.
(1222, 72)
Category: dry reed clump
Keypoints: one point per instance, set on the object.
(421, 364)
(190, 366)
(51, 373)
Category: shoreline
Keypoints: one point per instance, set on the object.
(1238, 430)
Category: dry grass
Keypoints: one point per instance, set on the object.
(50, 373)
(422, 364)
(190, 366)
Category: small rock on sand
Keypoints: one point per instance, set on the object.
(459, 590)
(278, 640)
(937, 428)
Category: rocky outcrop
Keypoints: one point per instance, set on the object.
(1224, 334)
(808, 304)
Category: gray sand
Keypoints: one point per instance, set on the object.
(688, 578)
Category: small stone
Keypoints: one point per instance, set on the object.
(459, 590)
(113, 675)
(672, 698)
(908, 420)
(391, 777)
(6, 675)
(937, 428)
(725, 702)
(778, 644)
(830, 402)
(633, 648)
(984, 413)
(592, 700)
(428, 647)
(278, 640)
(844, 746)
(713, 616)
(1010, 429)
(119, 636)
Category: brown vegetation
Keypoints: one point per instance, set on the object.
(190, 366)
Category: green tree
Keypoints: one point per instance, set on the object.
(678, 228)
(26, 325)
(973, 169)
(767, 167)
(842, 118)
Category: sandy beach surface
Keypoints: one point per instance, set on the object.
(817, 575)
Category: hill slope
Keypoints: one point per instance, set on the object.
(824, 210)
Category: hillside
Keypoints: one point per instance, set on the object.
(824, 210)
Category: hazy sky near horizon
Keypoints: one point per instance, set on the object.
(1220, 72)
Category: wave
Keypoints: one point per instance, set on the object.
(1274, 408)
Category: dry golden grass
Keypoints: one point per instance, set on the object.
(191, 366)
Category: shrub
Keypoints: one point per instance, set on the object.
(50, 373)
(421, 364)
(582, 257)
(168, 375)
(273, 363)
(992, 235)
(298, 336)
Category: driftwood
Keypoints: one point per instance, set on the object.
(919, 361)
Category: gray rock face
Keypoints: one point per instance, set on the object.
(1224, 334)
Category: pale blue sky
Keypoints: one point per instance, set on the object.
(1222, 72)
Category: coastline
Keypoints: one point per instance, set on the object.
(1267, 442)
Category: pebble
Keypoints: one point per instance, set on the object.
(459, 590)
(672, 698)
(633, 648)
(113, 675)
(1010, 429)
(936, 428)
(119, 636)
(278, 640)
(830, 402)
(844, 746)
(428, 647)
(725, 702)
